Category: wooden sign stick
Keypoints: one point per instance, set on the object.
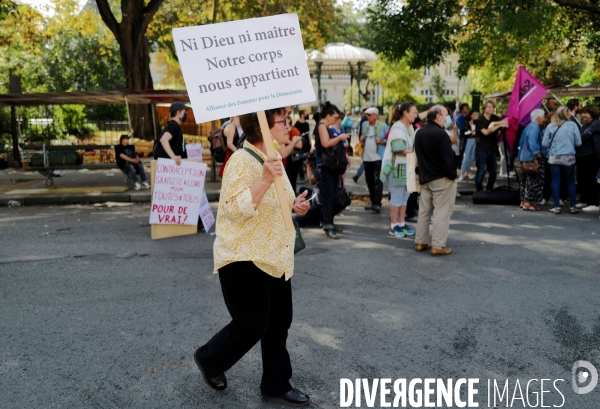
(268, 141)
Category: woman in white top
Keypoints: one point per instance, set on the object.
(399, 143)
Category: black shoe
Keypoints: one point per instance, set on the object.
(369, 207)
(293, 397)
(330, 234)
(355, 178)
(376, 209)
(218, 382)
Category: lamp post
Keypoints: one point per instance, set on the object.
(475, 100)
(319, 64)
(360, 65)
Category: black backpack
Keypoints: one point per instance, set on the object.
(218, 145)
(335, 157)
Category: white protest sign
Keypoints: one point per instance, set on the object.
(177, 192)
(243, 66)
(194, 151)
(206, 214)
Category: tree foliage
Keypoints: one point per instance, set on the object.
(317, 18)
(550, 37)
(350, 26)
(21, 37)
(396, 78)
(81, 53)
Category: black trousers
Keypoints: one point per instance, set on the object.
(261, 310)
(587, 169)
(328, 187)
(412, 206)
(372, 171)
(293, 169)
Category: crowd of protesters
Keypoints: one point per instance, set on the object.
(564, 152)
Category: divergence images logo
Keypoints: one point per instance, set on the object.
(583, 376)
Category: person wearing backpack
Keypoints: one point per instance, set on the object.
(332, 165)
(170, 143)
(373, 133)
(232, 132)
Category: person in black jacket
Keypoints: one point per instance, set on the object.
(587, 160)
(437, 174)
(170, 143)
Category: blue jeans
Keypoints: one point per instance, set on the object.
(134, 168)
(468, 156)
(360, 170)
(570, 176)
(485, 161)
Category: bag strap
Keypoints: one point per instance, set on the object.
(255, 155)
(553, 135)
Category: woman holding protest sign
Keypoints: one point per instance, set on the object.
(254, 256)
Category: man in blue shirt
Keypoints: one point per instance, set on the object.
(373, 132)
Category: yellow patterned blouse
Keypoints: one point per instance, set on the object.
(245, 234)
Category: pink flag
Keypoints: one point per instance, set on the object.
(527, 94)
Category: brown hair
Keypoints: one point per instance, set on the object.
(398, 110)
(592, 110)
(489, 101)
(251, 126)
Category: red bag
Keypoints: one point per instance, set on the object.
(227, 156)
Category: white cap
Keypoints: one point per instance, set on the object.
(372, 110)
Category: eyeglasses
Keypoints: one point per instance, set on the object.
(284, 121)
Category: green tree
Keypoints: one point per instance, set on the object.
(438, 86)
(21, 38)
(139, 24)
(81, 53)
(350, 26)
(396, 78)
(494, 34)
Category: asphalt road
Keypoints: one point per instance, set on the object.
(94, 314)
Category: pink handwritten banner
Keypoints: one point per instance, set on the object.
(177, 192)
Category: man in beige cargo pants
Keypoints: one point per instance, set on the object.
(437, 174)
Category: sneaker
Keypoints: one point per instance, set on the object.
(407, 230)
(137, 186)
(461, 177)
(146, 185)
(560, 202)
(504, 175)
(512, 173)
(542, 203)
(355, 178)
(397, 232)
(591, 209)
(581, 205)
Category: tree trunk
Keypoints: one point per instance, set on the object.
(135, 57)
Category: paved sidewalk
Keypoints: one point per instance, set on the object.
(98, 186)
(92, 186)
